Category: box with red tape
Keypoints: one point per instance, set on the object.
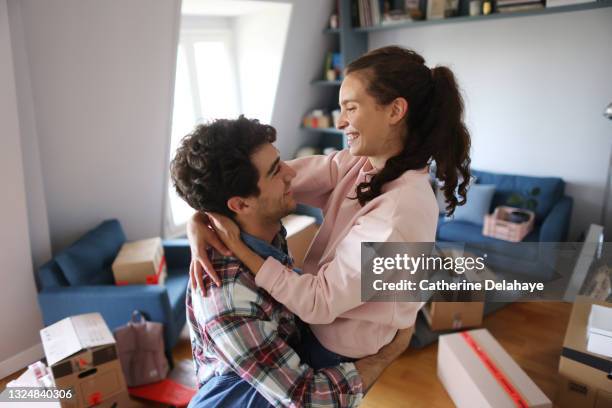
(477, 372)
(82, 356)
(140, 262)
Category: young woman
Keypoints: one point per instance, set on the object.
(398, 116)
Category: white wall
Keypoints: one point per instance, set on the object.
(19, 315)
(260, 43)
(36, 203)
(535, 89)
(302, 62)
(102, 78)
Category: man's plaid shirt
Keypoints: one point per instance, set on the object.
(239, 327)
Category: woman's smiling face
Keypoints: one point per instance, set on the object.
(371, 129)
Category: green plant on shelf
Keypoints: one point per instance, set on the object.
(527, 201)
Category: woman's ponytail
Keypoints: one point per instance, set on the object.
(435, 128)
(450, 139)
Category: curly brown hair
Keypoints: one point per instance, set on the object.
(436, 131)
(213, 163)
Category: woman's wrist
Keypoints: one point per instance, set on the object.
(248, 257)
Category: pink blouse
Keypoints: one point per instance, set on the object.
(328, 294)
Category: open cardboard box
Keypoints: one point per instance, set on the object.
(82, 355)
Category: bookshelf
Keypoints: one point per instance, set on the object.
(480, 18)
(353, 42)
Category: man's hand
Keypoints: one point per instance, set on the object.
(370, 368)
(201, 234)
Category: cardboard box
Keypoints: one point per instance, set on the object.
(121, 400)
(453, 310)
(29, 379)
(472, 366)
(81, 353)
(573, 394)
(453, 315)
(599, 330)
(140, 262)
(301, 230)
(589, 372)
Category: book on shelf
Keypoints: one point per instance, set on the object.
(436, 9)
(360, 13)
(391, 19)
(369, 13)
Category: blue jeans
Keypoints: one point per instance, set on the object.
(315, 354)
(228, 390)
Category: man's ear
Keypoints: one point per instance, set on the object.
(399, 110)
(238, 205)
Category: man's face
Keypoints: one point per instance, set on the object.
(275, 199)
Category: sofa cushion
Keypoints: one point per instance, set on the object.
(176, 285)
(478, 202)
(88, 260)
(551, 189)
(50, 275)
(440, 198)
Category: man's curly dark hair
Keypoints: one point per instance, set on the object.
(213, 163)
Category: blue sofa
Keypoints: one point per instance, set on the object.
(552, 218)
(80, 280)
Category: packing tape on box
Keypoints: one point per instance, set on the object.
(95, 398)
(590, 360)
(150, 279)
(505, 383)
(154, 279)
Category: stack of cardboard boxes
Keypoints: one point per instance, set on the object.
(586, 376)
(82, 356)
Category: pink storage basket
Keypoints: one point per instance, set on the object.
(497, 226)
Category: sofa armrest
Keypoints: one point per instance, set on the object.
(115, 303)
(556, 225)
(177, 253)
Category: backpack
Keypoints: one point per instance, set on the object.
(140, 345)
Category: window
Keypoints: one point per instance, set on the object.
(206, 88)
(228, 63)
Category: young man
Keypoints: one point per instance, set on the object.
(244, 343)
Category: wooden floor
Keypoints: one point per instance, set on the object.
(531, 332)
